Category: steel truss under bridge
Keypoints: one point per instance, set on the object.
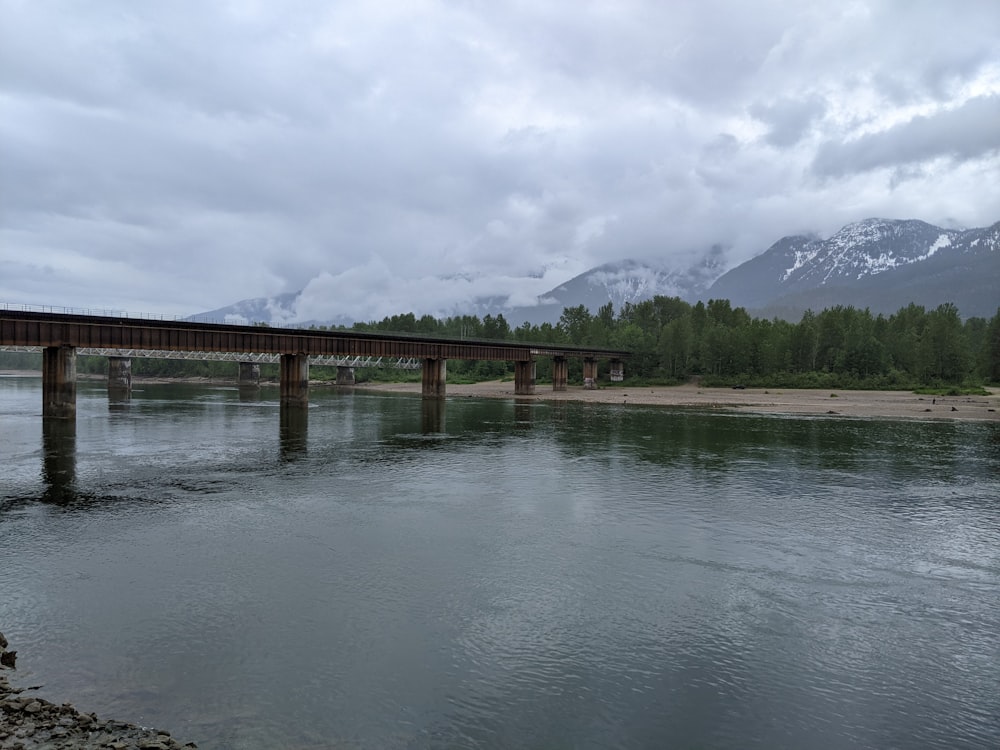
(400, 363)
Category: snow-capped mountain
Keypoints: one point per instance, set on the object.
(866, 248)
(625, 281)
(278, 310)
(633, 281)
(248, 311)
(618, 283)
(881, 264)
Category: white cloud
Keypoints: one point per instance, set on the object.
(404, 156)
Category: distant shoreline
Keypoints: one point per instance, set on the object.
(846, 403)
(789, 401)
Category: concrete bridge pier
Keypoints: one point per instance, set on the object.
(589, 373)
(249, 381)
(345, 375)
(59, 382)
(294, 380)
(119, 378)
(434, 374)
(249, 375)
(524, 377)
(560, 373)
(617, 371)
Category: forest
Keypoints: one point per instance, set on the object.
(673, 341)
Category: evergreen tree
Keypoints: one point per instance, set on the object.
(991, 344)
(943, 357)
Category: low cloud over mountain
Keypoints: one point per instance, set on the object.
(881, 264)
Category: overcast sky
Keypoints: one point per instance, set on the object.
(174, 157)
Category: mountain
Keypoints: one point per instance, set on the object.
(621, 282)
(880, 264)
(279, 310)
(618, 283)
(256, 310)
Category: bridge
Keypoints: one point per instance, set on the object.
(61, 336)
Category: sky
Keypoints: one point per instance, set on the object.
(386, 157)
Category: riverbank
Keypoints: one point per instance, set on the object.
(827, 402)
(842, 403)
(31, 723)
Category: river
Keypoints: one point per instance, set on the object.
(391, 573)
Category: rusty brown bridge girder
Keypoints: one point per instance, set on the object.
(66, 331)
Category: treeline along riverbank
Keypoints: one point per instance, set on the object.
(672, 341)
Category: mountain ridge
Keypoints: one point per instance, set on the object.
(881, 264)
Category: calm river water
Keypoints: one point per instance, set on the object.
(393, 574)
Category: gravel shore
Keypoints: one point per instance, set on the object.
(832, 402)
(835, 402)
(28, 722)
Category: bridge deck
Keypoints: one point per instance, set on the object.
(22, 328)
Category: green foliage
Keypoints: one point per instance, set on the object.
(990, 350)
(21, 361)
(385, 375)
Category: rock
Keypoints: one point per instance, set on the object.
(7, 658)
(3, 641)
(42, 725)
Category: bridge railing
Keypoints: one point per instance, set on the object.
(239, 320)
(359, 362)
(103, 313)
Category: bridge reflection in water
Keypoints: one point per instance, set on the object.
(64, 484)
(432, 416)
(293, 433)
(59, 460)
(61, 337)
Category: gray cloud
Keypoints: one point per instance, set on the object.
(967, 132)
(176, 157)
(788, 120)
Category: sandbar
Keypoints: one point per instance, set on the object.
(827, 402)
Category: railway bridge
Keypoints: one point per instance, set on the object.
(61, 336)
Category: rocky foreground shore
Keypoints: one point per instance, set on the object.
(31, 723)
